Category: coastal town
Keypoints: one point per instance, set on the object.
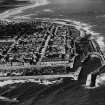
(41, 48)
(52, 52)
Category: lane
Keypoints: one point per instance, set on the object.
(46, 44)
(11, 47)
(44, 49)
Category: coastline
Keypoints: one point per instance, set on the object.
(53, 92)
(37, 3)
(78, 25)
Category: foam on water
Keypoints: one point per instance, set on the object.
(100, 80)
(43, 82)
(10, 82)
(11, 12)
(100, 40)
(88, 29)
(48, 10)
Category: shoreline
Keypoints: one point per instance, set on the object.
(81, 26)
(78, 25)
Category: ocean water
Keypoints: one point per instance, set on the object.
(10, 4)
(86, 14)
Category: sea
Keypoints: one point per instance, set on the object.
(86, 14)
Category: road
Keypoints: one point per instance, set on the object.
(44, 49)
(10, 48)
(43, 77)
(46, 45)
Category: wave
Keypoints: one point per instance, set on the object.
(95, 35)
(11, 12)
(10, 82)
(88, 29)
(43, 82)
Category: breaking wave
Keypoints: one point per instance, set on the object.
(11, 12)
(87, 28)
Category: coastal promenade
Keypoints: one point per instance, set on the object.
(42, 77)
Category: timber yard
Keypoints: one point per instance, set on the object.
(42, 49)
